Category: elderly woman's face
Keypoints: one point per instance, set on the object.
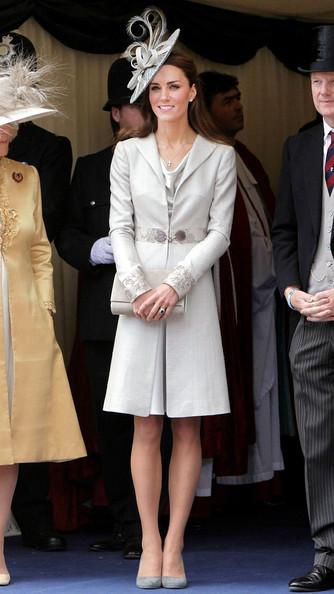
(7, 134)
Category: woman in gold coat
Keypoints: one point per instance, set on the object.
(37, 416)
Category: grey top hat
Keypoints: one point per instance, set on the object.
(118, 77)
(323, 51)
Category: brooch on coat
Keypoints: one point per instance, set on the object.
(17, 176)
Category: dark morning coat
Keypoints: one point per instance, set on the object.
(87, 220)
(52, 157)
(297, 220)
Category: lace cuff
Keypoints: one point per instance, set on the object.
(181, 280)
(135, 284)
(50, 306)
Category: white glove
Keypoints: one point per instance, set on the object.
(101, 252)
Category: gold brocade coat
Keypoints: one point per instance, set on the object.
(41, 424)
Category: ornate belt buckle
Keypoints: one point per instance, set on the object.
(160, 235)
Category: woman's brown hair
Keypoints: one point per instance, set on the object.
(199, 118)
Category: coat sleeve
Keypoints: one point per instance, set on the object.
(122, 233)
(41, 251)
(55, 173)
(205, 253)
(284, 230)
(74, 242)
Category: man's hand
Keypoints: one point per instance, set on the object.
(101, 252)
(321, 307)
(299, 299)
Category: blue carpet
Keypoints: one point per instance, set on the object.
(241, 554)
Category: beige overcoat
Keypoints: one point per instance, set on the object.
(187, 243)
(41, 423)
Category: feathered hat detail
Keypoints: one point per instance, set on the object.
(25, 88)
(146, 57)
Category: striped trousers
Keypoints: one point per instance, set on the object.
(312, 366)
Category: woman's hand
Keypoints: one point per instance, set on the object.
(137, 303)
(156, 304)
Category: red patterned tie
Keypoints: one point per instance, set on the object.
(329, 165)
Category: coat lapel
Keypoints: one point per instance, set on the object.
(199, 152)
(312, 169)
(148, 148)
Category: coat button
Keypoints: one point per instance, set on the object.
(92, 203)
(180, 235)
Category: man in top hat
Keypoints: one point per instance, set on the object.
(303, 249)
(52, 157)
(84, 243)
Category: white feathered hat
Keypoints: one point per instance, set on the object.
(147, 57)
(25, 88)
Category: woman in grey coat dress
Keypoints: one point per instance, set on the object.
(172, 198)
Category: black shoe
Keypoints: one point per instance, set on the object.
(132, 548)
(318, 579)
(114, 543)
(45, 541)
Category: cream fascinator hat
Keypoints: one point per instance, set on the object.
(25, 88)
(147, 57)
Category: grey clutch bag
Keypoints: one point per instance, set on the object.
(120, 303)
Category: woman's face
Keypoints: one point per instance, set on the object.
(170, 94)
(7, 133)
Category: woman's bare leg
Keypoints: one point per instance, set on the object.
(184, 471)
(8, 479)
(146, 473)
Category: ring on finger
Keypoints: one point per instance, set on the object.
(162, 311)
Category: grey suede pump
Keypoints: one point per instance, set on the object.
(174, 582)
(148, 582)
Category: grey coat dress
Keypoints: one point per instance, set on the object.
(181, 359)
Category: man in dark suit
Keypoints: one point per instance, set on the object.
(52, 157)
(84, 244)
(303, 248)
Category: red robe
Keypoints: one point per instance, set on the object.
(226, 437)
